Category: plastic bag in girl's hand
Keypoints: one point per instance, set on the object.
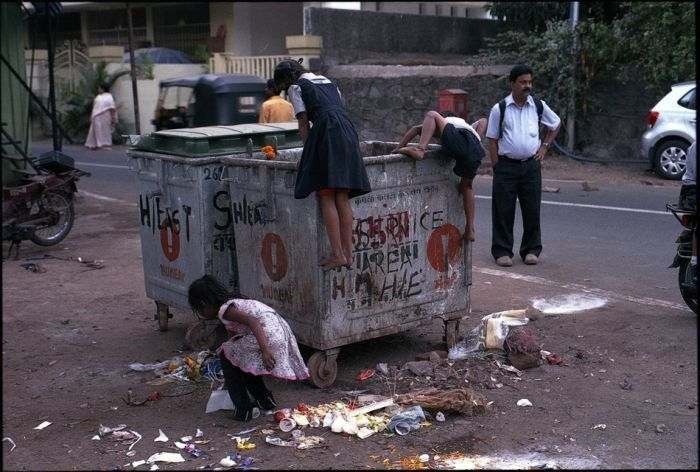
(219, 400)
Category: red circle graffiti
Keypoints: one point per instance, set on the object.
(274, 256)
(440, 256)
(170, 245)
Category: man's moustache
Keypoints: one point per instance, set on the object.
(526, 90)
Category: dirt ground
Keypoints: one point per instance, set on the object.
(70, 333)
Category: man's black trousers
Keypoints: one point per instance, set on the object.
(522, 181)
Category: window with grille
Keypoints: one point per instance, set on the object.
(182, 27)
(111, 27)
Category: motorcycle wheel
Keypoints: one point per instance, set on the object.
(62, 204)
(689, 298)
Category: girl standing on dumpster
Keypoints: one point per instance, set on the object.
(261, 344)
(331, 164)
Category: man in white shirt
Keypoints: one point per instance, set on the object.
(516, 150)
(461, 142)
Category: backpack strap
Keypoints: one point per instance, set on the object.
(502, 109)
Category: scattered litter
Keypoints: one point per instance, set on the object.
(661, 428)
(43, 425)
(440, 416)
(199, 433)
(243, 444)
(11, 442)
(383, 368)
(194, 451)
(267, 431)
(600, 426)
(551, 189)
(138, 438)
(490, 333)
(245, 431)
(138, 463)
(588, 187)
(32, 267)
(161, 437)
(287, 424)
(364, 432)
(424, 458)
(96, 437)
(52, 363)
(458, 400)
(171, 457)
(179, 445)
(602, 371)
(104, 430)
(508, 368)
(352, 393)
(524, 402)
(154, 467)
(309, 442)
(365, 375)
(279, 442)
(554, 359)
(94, 264)
(372, 407)
(407, 421)
(227, 462)
(131, 453)
(419, 368)
(219, 400)
(198, 367)
(186, 438)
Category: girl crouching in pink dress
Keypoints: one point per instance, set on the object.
(261, 344)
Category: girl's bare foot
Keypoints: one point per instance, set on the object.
(415, 152)
(469, 234)
(333, 262)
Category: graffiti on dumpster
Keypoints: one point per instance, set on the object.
(397, 253)
(242, 211)
(274, 256)
(170, 223)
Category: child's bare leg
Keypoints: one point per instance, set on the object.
(342, 203)
(432, 126)
(480, 126)
(332, 222)
(465, 186)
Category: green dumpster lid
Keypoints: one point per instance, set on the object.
(219, 140)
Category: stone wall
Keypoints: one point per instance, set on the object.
(383, 107)
(383, 101)
(350, 35)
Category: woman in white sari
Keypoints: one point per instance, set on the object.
(102, 120)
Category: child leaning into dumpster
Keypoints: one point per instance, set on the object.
(331, 164)
(261, 344)
(459, 140)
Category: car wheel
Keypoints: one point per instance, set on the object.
(670, 159)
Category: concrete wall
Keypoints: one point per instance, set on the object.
(349, 35)
(259, 29)
(148, 92)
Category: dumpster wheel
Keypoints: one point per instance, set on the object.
(323, 367)
(162, 316)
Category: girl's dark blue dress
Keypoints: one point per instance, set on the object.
(331, 156)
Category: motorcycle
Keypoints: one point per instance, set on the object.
(688, 219)
(40, 207)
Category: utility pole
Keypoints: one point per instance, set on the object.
(134, 83)
(50, 27)
(570, 122)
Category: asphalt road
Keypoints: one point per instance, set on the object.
(617, 241)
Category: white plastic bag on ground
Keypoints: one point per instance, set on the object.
(219, 400)
(490, 334)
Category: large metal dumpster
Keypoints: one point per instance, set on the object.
(410, 263)
(185, 210)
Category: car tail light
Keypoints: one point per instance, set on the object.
(652, 116)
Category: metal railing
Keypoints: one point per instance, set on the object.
(262, 66)
(114, 37)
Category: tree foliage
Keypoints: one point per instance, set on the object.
(649, 42)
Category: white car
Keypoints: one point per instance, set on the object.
(670, 130)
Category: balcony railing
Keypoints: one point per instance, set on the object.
(262, 66)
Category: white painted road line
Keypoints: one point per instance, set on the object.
(595, 207)
(582, 288)
(104, 198)
(109, 166)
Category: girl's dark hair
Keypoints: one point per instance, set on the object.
(286, 72)
(517, 71)
(207, 291)
(104, 87)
